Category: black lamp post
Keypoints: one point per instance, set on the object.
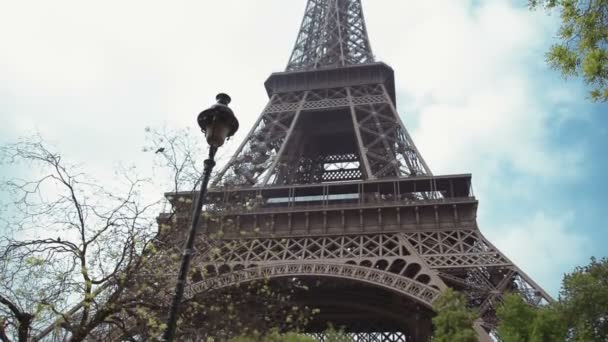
(218, 123)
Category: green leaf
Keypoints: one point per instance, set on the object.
(454, 321)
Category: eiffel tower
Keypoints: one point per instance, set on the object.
(341, 194)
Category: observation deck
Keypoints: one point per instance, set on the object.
(355, 207)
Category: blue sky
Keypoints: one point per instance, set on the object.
(473, 90)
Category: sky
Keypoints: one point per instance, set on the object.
(473, 90)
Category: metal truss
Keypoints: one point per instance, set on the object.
(264, 142)
(456, 248)
(388, 252)
(339, 191)
(419, 292)
(269, 154)
(388, 148)
(416, 264)
(370, 337)
(332, 34)
(466, 260)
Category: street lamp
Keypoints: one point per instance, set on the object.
(218, 123)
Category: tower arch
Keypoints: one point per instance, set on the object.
(336, 188)
(417, 291)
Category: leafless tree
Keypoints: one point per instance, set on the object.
(84, 261)
(68, 238)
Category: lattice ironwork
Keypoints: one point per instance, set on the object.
(331, 122)
(326, 168)
(369, 337)
(434, 259)
(389, 149)
(347, 247)
(332, 34)
(272, 153)
(265, 140)
(456, 248)
(418, 291)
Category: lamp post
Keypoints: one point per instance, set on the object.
(218, 123)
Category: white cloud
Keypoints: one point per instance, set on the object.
(475, 91)
(545, 246)
(477, 97)
(95, 72)
(90, 76)
(471, 79)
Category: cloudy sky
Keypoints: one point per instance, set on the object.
(473, 90)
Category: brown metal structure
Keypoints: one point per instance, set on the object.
(338, 193)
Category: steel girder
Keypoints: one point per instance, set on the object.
(421, 293)
(370, 337)
(331, 80)
(415, 264)
(383, 148)
(333, 34)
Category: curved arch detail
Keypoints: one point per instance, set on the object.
(411, 288)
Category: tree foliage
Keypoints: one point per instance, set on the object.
(582, 49)
(83, 260)
(521, 322)
(273, 336)
(454, 321)
(584, 301)
(580, 314)
(330, 335)
(517, 318)
(68, 239)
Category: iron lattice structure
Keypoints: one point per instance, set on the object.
(338, 193)
(333, 34)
